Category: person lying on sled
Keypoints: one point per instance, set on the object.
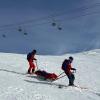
(46, 75)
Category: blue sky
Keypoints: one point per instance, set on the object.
(79, 20)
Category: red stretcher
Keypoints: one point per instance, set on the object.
(46, 75)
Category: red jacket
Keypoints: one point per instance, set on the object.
(69, 67)
(31, 63)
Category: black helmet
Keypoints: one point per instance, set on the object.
(34, 51)
(71, 58)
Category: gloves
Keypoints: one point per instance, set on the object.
(35, 59)
(74, 70)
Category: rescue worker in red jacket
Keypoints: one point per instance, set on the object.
(66, 66)
(31, 58)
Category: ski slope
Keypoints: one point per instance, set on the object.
(15, 84)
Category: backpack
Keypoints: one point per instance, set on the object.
(64, 64)
(29, 56)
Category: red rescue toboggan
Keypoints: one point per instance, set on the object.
(46, 75)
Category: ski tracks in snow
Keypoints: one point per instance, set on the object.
(17, 93)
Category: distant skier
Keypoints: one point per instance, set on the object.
(66, 66)
(31, 58)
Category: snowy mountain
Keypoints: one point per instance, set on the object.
(49, 26)
(15, 84)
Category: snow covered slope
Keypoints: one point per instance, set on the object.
(16, 85)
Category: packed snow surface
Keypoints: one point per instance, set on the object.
(15, 84)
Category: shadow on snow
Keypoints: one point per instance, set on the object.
(14, 72)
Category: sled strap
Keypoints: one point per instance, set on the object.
(60, 74)
(59, 77)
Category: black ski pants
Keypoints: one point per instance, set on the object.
(71, 78)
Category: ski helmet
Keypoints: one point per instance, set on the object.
(71, 58)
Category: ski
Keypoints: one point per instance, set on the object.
(66, 86)
(80, 87)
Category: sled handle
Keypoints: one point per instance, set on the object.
(60, 74)
(59, 77)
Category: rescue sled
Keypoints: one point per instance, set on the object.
(46, 75)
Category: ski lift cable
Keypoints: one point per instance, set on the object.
(77, 9)
(78, 16)
(53, 15)
(70, 18)
(31, 21)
